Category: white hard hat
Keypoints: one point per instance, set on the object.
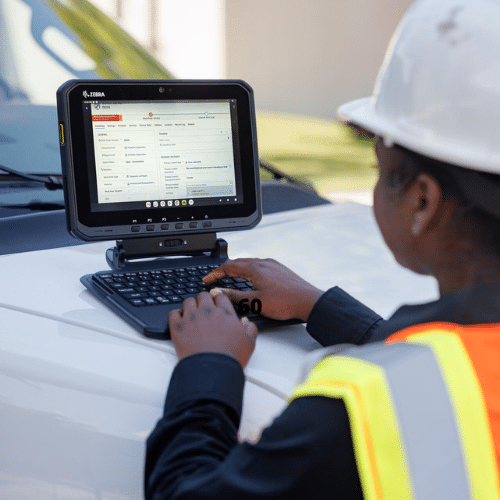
(438, 90)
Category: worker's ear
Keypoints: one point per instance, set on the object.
(424, 204)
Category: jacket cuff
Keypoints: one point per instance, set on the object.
(338, 318)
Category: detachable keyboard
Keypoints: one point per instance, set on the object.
(145, 297)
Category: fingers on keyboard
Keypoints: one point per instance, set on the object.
(166, 286)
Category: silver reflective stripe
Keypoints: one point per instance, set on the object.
(311, 359)
(425, 414)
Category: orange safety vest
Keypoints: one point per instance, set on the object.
(424, 411)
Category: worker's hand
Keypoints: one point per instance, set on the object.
(208, 323)
(282, 293)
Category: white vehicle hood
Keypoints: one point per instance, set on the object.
(80, 389)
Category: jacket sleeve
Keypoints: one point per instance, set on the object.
(194, 452)
(338, 318)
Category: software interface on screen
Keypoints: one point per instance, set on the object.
(163, 154)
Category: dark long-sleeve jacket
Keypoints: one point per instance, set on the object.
(307, 452)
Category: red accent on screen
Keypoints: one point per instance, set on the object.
(107, 118)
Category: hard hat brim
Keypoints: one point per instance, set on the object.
(362, 112)
(480, 191)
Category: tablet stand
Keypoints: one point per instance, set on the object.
(204, 248)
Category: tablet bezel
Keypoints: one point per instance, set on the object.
(87, 225)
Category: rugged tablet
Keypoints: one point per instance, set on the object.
(158, 158)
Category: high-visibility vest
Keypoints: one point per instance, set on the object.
(424, 411)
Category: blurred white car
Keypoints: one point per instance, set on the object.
(80, 390)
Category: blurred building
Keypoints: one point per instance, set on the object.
(300, 56)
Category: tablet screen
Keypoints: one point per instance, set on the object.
(163, 154)
(150, 158)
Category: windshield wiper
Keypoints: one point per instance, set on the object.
(278, 175)
(51, 182)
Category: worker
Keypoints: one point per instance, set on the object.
(412, 409)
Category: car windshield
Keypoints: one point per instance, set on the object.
(43, 44)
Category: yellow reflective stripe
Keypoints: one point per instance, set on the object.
(378, 449)
(470, 410)
(362, 440)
